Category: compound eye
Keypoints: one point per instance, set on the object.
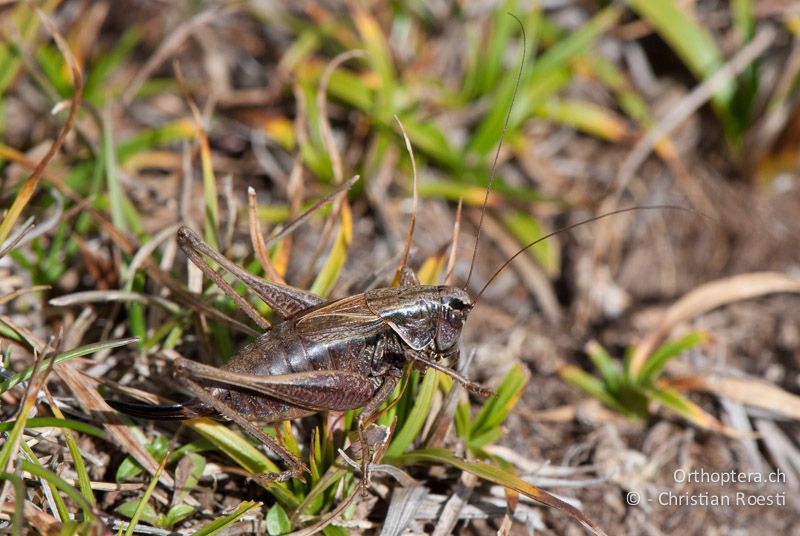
(457, 304)
(455, 318)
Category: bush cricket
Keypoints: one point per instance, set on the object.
(320, 356)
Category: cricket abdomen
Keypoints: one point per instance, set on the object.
(314, 341)
(333, 336)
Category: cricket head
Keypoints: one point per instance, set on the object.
(454, 306)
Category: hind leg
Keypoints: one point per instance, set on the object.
(296, 465)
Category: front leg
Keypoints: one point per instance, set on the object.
(372, 408)
(416, 357)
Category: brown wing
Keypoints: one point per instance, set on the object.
(346, 318)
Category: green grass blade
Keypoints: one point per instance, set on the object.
(53, 70)
(56, 481)
(243, 453)
(670, 349)
(19, 495)
(179, 130)
(61, 506)
(586, 117)
(326, 279)
(97, 78)
(502, 30)
(84, 482)
(687, 409)
(491, 416)
(224, 522)
(411, 426)
(593, 387)
(677, 26)
(13, 438)
(349, 88)
(549, 74)
(52, 422)
(374, 42)
(609, 371)
(630, 101)
(115, 193)
(62, 357)
(145, 498)
(743, 17)
(429, 140)
(690, 41)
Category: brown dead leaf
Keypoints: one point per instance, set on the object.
(707, 297)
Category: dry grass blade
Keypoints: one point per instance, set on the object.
(90, 400)
(32, 183)
(170, 45)
(29, 336)
(451, 511)
(279, 233)
(257, 238)
(750, 391)
(322, 104)
(20, 292)
(451, 258)
(405, 502)
(708, 297)
(147, 249)
(783, 449)
(693, 101)
(105, 296)
(16, 239)
(414, 204)
(327, 520)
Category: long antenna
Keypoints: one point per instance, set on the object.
(499, 146)
(578, 224)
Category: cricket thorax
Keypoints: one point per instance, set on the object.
(424, 317)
